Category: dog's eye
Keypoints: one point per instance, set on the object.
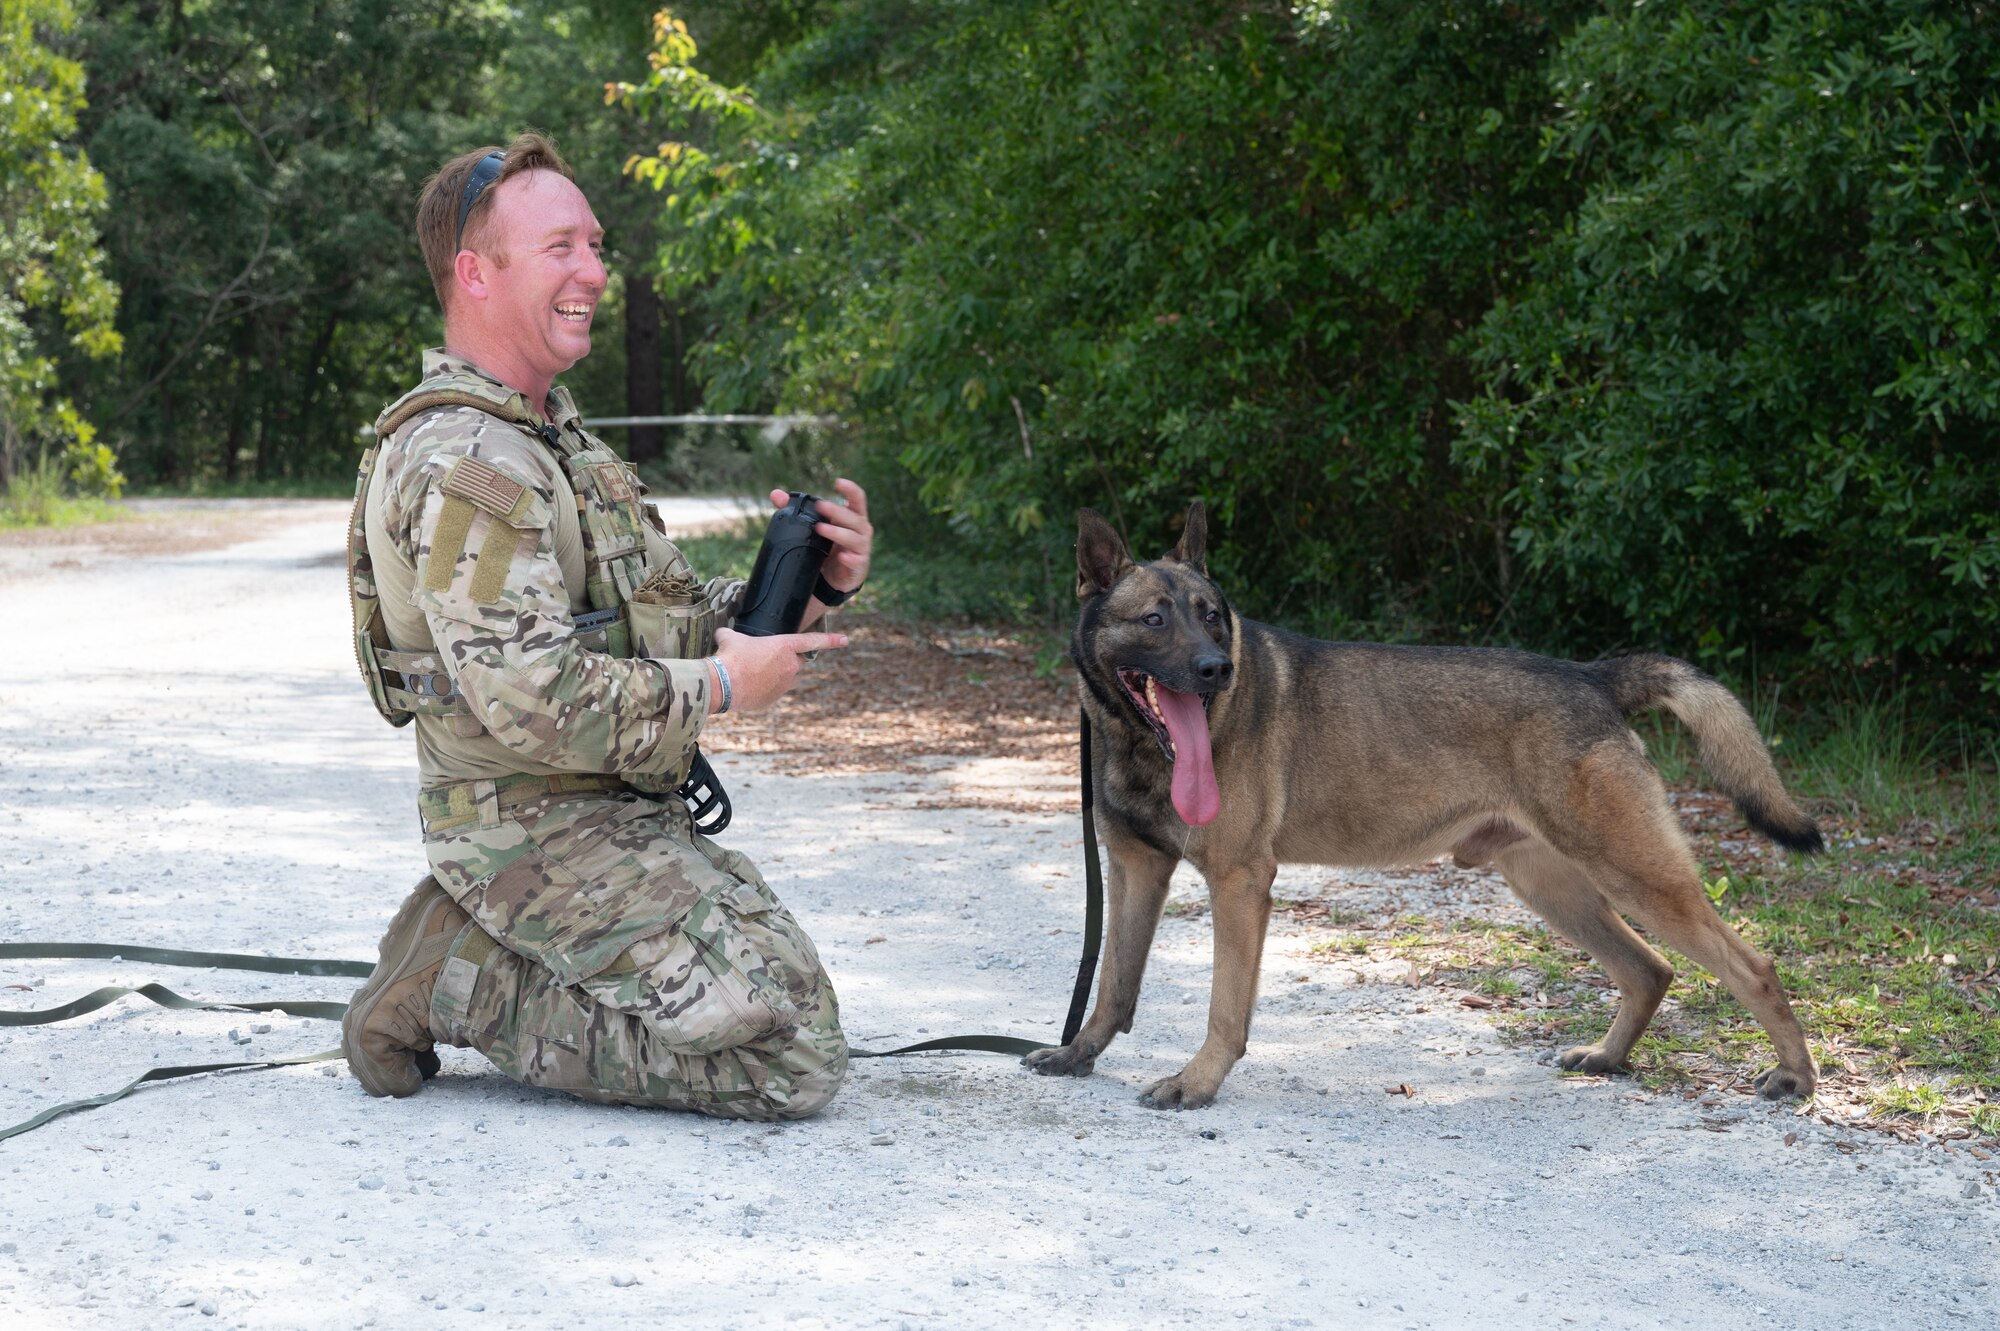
(1213, 616)
(1156, 619)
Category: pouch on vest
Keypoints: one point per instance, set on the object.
(405, 684)
(671, 618)
(400, 684)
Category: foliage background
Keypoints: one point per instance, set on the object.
(1583, 326)
(54, 296)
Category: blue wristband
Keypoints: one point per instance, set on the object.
(721, 673)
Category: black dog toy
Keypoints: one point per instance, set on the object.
(774, 601)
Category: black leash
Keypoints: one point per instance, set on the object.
(1093, 891)
(1093, 935)
(1093, 929)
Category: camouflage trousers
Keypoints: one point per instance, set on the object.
(617, 954)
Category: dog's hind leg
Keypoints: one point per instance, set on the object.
(1241, 898)
(1136, 891)
(1556, 889)
(1642, 863)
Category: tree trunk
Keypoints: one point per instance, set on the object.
(182, 462)
(309, 416)
(687, 393)
(642, 366)
(232, 445)
(272, 403)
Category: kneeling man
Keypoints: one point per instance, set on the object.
(517, 599)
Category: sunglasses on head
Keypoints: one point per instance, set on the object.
(484, 174)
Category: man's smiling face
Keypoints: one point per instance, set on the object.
(541, 248)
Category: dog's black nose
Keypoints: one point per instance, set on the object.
(1214, 672)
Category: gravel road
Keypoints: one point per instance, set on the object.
(189, 762)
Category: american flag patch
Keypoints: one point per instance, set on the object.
(485, 487)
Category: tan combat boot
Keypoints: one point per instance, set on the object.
(386, 1033)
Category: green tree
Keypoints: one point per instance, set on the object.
(263, 163)
(1663, 326)
(1749, 402)
(52, 284)
(1120, 255)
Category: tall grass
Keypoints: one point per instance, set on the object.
(37, 497)
(1881, 761)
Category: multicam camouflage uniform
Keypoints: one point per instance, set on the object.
(615, 952)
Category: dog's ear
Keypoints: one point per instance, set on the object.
(1100, 555)
(1193, 547)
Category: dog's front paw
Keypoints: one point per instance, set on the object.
(1590, 1058)
(1783, 1084)
(1178, 1092)
(1075, 1059)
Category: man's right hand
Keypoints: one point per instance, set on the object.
(762, 669)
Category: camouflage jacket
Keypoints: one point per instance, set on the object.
(523, 537)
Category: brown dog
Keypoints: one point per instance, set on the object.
(1363, 754)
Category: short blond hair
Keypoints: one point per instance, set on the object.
(437, 207)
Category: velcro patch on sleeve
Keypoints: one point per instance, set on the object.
(496, 556)
(489, 489)
(454, 524)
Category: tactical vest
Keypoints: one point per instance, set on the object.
(612, 520)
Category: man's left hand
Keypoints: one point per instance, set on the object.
(847, 526)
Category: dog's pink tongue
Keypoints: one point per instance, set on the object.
(1195, 797)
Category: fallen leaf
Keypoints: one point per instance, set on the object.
(1400, 1088)
(878, 938)
(24, 988)
(1474, 1000)
(1791, 1137)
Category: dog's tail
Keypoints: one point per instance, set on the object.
(1731, 749)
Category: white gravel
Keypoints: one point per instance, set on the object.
(189, 762)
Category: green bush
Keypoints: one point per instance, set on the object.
(61, 489)
(1749, 402)
(92, 469)
(1585, 328)
(1123, 255)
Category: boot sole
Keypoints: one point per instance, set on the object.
(409, 927)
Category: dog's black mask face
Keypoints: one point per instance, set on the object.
(1154, 643)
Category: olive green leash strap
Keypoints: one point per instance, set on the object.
(166, 997)
(157, 1074)
(165, 956)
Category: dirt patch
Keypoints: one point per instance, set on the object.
(897, 695)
